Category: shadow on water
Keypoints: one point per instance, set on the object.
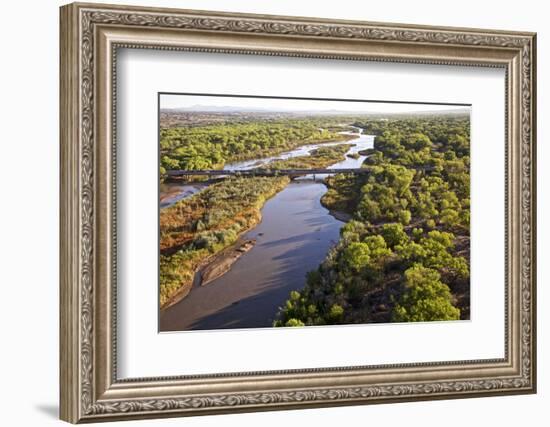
(288, 246)
(252, 312)
(301, 238)
(255, 311)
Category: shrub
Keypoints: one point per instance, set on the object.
(294, 322)
(404, 216)
(426, 298)
(394, 234)
(357, 256)
(336, 313)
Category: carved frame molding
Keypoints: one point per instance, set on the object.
(90, 36)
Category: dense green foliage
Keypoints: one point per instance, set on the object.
(425, 298)
(319, 158)
(405, 254)
(210, 147)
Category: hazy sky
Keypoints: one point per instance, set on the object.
(186, 101)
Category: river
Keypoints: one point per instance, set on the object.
(294, 236)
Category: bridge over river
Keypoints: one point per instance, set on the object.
(265, 172)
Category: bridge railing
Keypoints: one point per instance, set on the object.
(273, 172)
(265, 172)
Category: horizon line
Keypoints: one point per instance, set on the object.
(224, 95)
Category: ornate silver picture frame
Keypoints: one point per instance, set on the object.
(91, 35)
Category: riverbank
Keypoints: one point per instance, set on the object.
(404, 256)
(293, 237)
(223, 262)
(319, 158)
(223, 144)
(341, 196)
(211, 268)
(341, 216)
(194, 229)
(180, 189)
(175, 191)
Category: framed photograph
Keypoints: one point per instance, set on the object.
(268, 212)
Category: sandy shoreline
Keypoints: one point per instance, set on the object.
(222, 263)
(211, 268)
(168, 194)
(227, 257)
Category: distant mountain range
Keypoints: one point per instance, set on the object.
(216, 109)
(235, 110)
